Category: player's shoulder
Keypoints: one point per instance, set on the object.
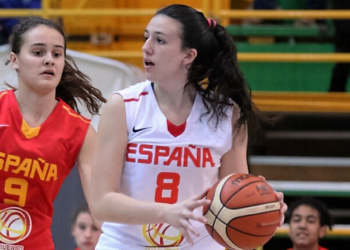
(5, 93)
(136, 91)
(72, 114)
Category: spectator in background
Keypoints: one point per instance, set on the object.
(84, 230)
(308, 220)
(6, 24)
(340, 72)
(274, 4)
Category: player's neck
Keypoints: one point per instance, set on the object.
(175, 97)
(35, 109)
(176, 105)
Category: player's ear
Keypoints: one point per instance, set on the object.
(14, 61)
(322, 232)
(190, 56)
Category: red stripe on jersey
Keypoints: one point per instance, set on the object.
(136, 99)
(176, 130)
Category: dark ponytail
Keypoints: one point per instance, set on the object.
(226, 81)
(216, 63)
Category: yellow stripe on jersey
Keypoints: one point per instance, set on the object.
(29, 132)
(75, 115)
(4, 93)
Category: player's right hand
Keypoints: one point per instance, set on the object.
(179, 215)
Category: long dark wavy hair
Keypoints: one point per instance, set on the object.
(74, 85)
(216, 60)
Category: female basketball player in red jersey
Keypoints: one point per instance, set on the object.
(42, 135)
(162, 143)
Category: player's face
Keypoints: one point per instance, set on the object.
(304, 228)
(164, 58)
(40, 61)
(84, 232)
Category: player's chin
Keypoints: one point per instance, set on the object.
(302, 242)
(149, 76)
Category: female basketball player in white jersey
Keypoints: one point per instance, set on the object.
(162, 143)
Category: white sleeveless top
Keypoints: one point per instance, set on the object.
(169, 164)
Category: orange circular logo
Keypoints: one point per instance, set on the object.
(15, 225)
(162, 235)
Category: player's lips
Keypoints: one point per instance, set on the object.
(48, 72)
(148, 63)
(87, 243)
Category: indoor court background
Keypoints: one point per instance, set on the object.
(288, 66)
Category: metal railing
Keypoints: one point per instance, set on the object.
(302, 102)
(281, 14)
(216, 12)
(246, 57)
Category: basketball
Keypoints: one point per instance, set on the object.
(244, 212)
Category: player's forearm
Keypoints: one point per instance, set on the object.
(116, 207)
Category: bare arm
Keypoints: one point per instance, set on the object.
(84, 165)
(107, 203)
(84, 160)
(235, 160)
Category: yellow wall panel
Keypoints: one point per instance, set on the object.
(112, 24)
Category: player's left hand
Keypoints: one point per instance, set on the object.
(284, 206)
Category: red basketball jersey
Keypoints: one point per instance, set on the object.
(33, 165)
(319, 248)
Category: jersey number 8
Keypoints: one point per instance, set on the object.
(167, 187)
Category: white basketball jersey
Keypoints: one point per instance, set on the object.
(169, 164)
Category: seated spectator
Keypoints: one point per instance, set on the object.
(308, 220)
(84, 230)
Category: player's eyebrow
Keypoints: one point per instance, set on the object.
(44, 45)
(157, 32)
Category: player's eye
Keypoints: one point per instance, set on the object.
(38, 53)
(160, 41)
(296, 219)
(311, 221)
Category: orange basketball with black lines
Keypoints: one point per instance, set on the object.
(244, 212)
